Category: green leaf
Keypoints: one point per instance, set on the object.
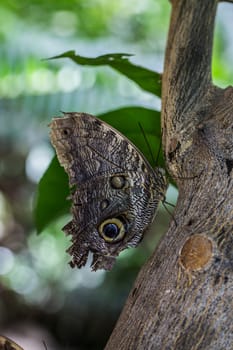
(53, 187)
(51, 198)
(147, 79)
(127, 121)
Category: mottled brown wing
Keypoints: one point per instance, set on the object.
(8, 344)
(116, 190)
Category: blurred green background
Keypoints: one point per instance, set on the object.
(41, 298)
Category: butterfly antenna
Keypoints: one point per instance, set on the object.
(168, 203)
(168, 211)
(147, 142)
(157, 158)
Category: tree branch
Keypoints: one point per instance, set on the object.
(182, 298)
(187, 74)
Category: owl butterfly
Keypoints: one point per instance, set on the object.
(115, 190)
(8, 344)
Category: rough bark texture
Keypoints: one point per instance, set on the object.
(183, 296)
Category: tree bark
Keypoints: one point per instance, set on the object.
(183, 296)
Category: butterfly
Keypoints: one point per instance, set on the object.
(114, 190)
(8, 344)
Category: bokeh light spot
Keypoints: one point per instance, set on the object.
(6, 260)
(38, 160)
(23, 280)
(64, 23)
(69, 79)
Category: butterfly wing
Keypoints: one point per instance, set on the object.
(115, 191)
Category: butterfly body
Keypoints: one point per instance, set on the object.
(116, 191)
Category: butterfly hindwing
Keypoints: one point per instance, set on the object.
(116, 192)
